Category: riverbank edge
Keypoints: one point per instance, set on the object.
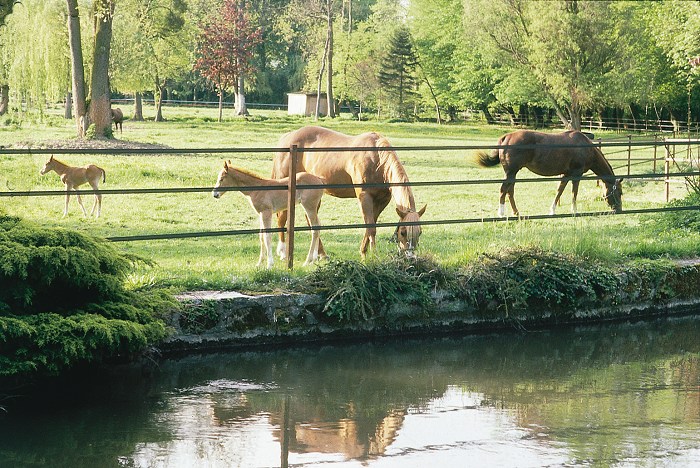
(215, 320)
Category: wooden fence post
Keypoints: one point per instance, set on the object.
(656, 142)
(291, 204)
(629, 153)
(667, 170)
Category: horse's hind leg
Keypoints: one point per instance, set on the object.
(507, 189)
(80, 202)
(98, 201)
(312, 218)
(560, 190)
(65, 210)
(574, 194)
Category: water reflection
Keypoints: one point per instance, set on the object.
(610, 395)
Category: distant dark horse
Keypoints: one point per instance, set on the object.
(569, 154)
(118, 118)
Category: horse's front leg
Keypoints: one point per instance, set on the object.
(560, 190)
(281, 244)
(369, 239)
(266, 237)
(65, 209)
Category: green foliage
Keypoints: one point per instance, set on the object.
(688, 220)
(63, 301)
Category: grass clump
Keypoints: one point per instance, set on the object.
(376, 290)
(63, 302)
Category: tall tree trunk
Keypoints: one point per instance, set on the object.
(68, 109)
(241, 108)
(221, 104)
(100, 104)
(320, 81)
(4, 98)
(329, 54)
(138, 107)
(160, 90)
(77, 68)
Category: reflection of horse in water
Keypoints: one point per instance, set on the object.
(346, 436)
(569, 154)
(374, 162)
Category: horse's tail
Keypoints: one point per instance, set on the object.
(484, 159)
(104, 176)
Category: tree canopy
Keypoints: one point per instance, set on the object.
(561, 58)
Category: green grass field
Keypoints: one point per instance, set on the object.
(229, 262)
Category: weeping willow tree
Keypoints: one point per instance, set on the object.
(34, 66)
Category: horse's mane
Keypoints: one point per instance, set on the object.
(246, 172)
(395, 172)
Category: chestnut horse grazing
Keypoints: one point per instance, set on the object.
(118, 119)
(569, 154)
(374, 162)
(268, 202)
(73, 177)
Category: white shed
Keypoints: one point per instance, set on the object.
(305, 104)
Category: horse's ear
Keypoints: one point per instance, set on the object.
(619, 181)
(402, 214)
(422, 210)
(225, 165)
(51, 158)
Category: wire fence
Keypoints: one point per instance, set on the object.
(679, 158)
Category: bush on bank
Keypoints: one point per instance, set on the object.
(63, 302)
(520, 283)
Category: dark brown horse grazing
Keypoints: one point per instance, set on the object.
(374, 166)
(118, 119)
(569, 154)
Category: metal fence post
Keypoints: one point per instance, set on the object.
(291, 204)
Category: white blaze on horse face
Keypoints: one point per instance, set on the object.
(216, 193)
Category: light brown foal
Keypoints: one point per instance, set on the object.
(73, 177)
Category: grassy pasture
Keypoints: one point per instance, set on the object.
(229, 262)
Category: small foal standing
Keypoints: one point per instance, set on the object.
(268, 202)
(73, 177)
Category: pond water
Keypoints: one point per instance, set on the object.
(610, 395)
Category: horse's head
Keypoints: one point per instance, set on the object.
(47, 167)
(408, 236)
(221, 181)
(613, 195)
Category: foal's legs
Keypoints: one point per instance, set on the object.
(98, 200)
(281, 245)
(266, 238)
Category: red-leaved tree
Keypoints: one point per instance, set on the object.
(225, 51)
